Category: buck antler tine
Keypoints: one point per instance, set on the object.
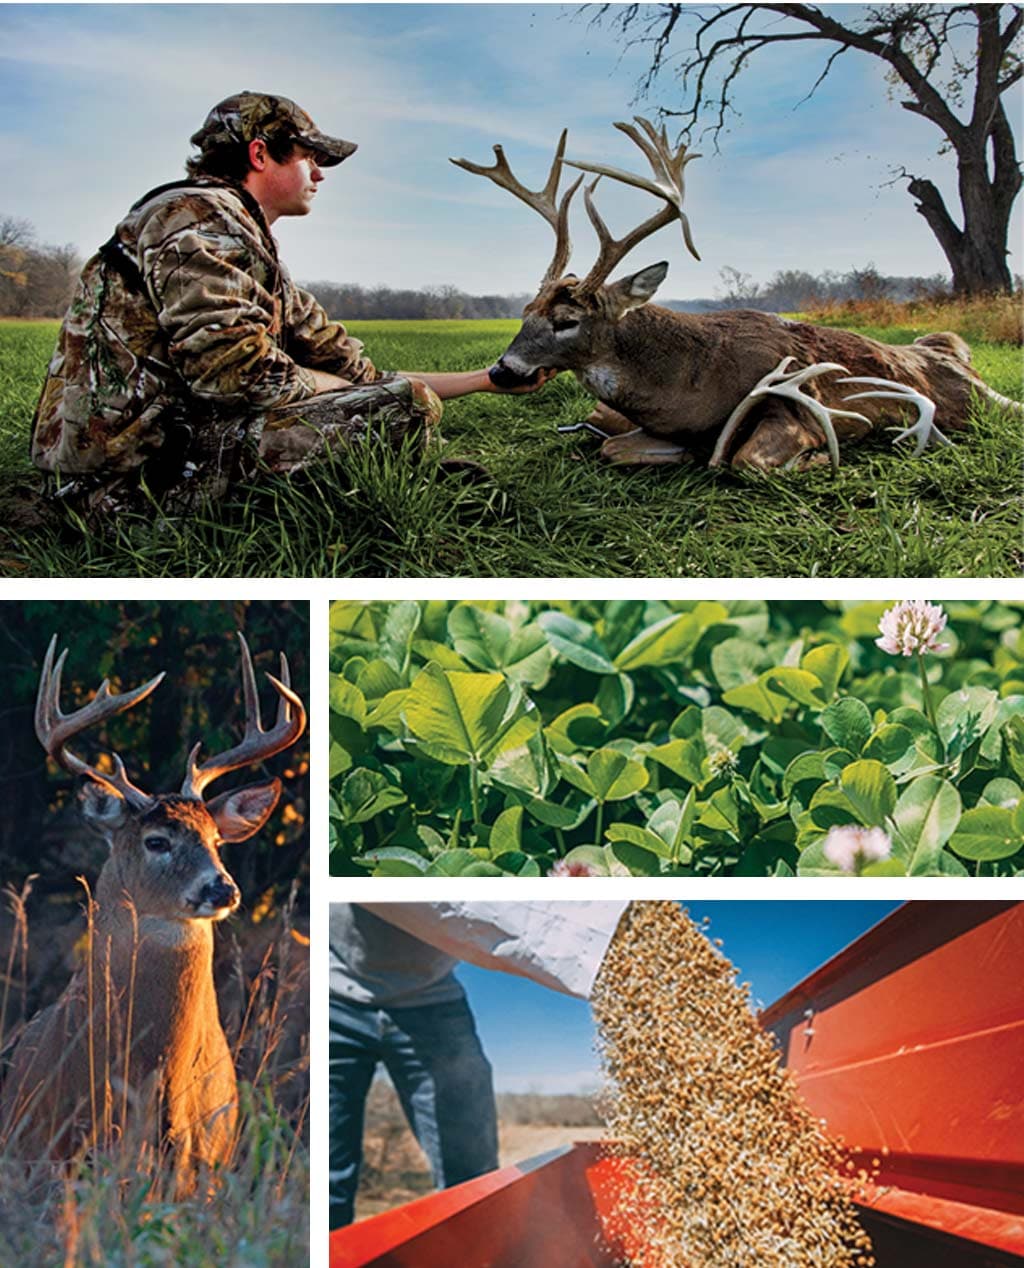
(54, 729)
(543, 201)
(256, 744)
(290, 709)
(687, 236)
(43, 694)
(550, 190)
(250, 692)
(282, 683)
(653, 152)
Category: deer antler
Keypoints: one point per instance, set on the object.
(785, 382)
(55, 729)
(667, 164)
(923, 428)
(543, 200)
(256, 744)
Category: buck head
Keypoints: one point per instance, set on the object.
(166, 858)
(570, 327)
(571, 324)
(165, 848)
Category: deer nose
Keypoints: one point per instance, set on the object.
(221, 892)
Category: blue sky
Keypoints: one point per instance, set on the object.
(97, 104)
(538, 1040)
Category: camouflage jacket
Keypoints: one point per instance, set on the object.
(185, 317)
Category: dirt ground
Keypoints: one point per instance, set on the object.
(395, 1170)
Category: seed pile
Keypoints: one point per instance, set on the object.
(729, 1168)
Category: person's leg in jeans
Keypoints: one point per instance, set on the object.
(354, 1053)
(443, 1080)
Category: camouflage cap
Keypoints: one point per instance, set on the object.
(247, 116)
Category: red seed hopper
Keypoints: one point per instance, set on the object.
(909, 1043)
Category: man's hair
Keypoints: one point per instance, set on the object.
(230, 161)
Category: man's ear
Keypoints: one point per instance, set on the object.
(102, 807)
(630, 292)
(258, 154)
(241, 813)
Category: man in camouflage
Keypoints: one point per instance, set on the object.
(189, 358)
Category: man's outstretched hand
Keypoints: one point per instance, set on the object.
(506, 382)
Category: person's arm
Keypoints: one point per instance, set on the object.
(559, 945)
(202, 262)
(463, 382)
(322, 344)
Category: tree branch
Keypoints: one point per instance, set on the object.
(930, 205)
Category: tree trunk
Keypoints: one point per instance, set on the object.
(977, 253)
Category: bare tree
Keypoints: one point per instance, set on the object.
(956, 62)
(16, 236)
(36, 279)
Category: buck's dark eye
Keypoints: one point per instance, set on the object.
(157, 844)
(564, 323)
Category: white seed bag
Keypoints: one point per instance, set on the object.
(560, 945)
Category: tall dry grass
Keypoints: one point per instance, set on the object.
(112, 1206)
(992, 318)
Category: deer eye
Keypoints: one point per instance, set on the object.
(157, 844)
(564, 323)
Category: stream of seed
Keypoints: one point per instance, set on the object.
(728, 1167)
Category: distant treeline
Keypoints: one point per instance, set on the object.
(789, 290)
(792, 290)
(36, 280)
(346, 302)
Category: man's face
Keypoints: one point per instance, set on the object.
(288, 188)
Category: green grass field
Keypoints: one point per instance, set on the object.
(552, 507)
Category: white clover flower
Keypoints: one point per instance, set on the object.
(722, 759)
(574, 867)
(912, 626)
(852, 848)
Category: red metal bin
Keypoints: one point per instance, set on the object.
(910, 1043)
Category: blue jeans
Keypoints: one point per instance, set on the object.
(443, 1081)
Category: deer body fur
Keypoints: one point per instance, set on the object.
(149, 1058)
(678, 376)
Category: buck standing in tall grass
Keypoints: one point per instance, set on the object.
(189, 360)
(133, 1051)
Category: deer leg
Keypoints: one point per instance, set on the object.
(781, 438)
(609, 420)
(637, 448)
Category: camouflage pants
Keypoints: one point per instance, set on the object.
(293, 437)
(287, 440)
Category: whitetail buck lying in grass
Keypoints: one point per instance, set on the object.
(133, 1050)
(746, 387)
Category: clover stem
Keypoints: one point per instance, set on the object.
(474, 790)
(600, 823)
(560, 838)
(929, 710)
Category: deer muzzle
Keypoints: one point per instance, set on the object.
(219, 897)
(503, 375)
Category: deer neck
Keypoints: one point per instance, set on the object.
(157, 944)
(613, 376)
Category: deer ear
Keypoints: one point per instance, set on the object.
(631, 292)
(241, 813)
(102, 807)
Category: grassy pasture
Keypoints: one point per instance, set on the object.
(552, 508)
